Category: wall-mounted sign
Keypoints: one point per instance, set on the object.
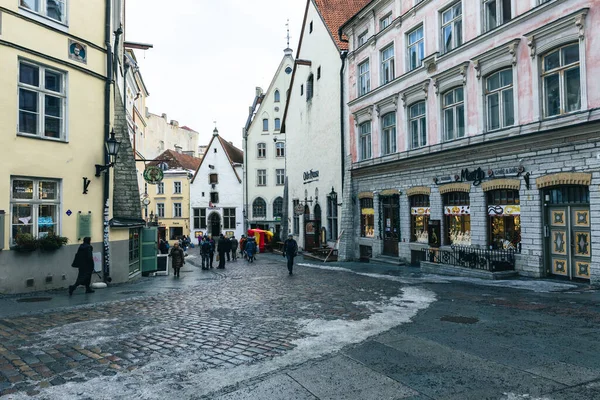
(504, 172)
(77, 51)
(477, 176)
(84, 225)
(500, 211)
(299, 209)
(420, 210)
(153, 175)
(457, 210)
(311, 175)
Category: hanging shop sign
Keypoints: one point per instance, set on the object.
(420, 210)
(477, 176)
(457, 210)
(311, 176)
(153, 175)
(299, 209)
(501, 211)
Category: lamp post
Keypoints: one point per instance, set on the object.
(112, 149)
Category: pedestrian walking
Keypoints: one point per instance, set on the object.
(243, 241)
(84, 261)
(290, 250)
(212, 250)
(205, 252)
(163, 246)
(234, 248)
(250, 249)
(177, 259)
(228, 249)
(222, 248)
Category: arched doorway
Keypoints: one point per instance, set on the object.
(317, 224)
(214, 225)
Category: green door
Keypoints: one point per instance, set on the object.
(149, 249)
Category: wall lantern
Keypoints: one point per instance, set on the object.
(112, 149)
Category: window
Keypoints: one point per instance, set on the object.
(309, 87)
(296, 223)
(134, 250)
(452, 27)
(499, 99)
(416, 48)
(280, 149)
(42, 99)
(495, 13)
(160, 210)
(561, 81)
(419, 218)
(388, 133)
(385, 22)
(454, 114)
(365, 140)
(175, 233)
(278, 208)
(277, 124)
(457, 211)
(199, 218)
(310, 29)
(213, 178)
(177, 187)
(265, 124)
(301, 90)
(35, 206)
(319, 73)
(176, 210)
(214, 197)
(261, 177)
(367, 218)
(229, 218)
(362, 38)
(280, 174)
(332, 216)
(364, 78)
(261, 149)
(417, 125)
(277, 97)
(160, 188)
(504, 212)
(387, 64)
(53, 9)
(259, 208)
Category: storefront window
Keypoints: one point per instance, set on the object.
(457, 212)
(504, 211)
(134, 251)
(419, 218)
(367, 218)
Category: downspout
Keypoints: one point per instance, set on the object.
(343, 56)
(245, 180)
(106, 183)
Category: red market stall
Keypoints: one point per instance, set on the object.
(262, 238)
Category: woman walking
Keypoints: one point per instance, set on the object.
(177, 259)
(84, 261)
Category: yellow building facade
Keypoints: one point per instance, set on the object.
(53, 130)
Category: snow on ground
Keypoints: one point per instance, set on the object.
(170, 377)
(537, 286)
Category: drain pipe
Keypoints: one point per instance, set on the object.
(106, 183)
(343, 57)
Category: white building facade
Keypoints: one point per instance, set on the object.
(265, 152)
(216, 195)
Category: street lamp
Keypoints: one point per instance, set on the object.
(112, 149)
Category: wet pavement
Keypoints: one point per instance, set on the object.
(331, 331)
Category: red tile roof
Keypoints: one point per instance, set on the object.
(187, 128)
(177, 160)
(336, 13)
(235, 155)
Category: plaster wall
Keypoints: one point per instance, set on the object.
(161, 135)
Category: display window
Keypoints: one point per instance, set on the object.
(419, 218)
(457, 214)
(367, 218)
(504, 213)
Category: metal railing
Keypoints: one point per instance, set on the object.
(473, 258)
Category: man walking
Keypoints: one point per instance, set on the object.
(84, 261)
(234, 248)
(212, 250)
(205, 251)
(228, 248)
(290, 250)
(222, 248)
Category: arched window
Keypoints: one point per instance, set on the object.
(277, 124)
(265, 124)
(310, 87)
(278, 208)
(317, 212)
(277, 97)
(259, 208)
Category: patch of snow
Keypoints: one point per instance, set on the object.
(512, 396)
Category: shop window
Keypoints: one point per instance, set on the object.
(134, 251)
(35, 207)
(259, 208)
(175, 233)
(567, 195)
(419, 218)
(457, 213)
(367, 218)
(504, 212)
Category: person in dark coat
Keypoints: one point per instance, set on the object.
(212, 250)
(250, 248)
(177, 259)
(228, 249)
(243, 246)
(84, 261)
(290, 250)
(234, 248)
(222, 248)
(206, 250)
(163, 247)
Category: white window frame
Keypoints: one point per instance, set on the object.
(261, 177)
(280, 149)
(177, 210)
(365, 141)
(362, 38)
(501, 92)
(41, 94)
(389, 140)
(280, 176)
(177, 187)
(364, 78)
(501, 20)
(418, 45)
(387, 64)
(385, 21)
(420, 132)
(454, 107)
(456, 40)
(160, 188)
(560, 72)
(43, 10)
(261, 148)
(160, 210)
(35, 202)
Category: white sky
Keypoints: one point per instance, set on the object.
(209, 55)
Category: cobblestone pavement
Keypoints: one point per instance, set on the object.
(243, 315)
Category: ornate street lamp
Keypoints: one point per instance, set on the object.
(112, 149)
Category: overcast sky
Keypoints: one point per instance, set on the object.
(209, 55)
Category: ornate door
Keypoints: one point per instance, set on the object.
(390, 224)
(570, 251)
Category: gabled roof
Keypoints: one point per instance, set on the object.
(187, 128)
(335, 13)
(177, 160)
(234, 155)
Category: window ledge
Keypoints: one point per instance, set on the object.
(62, 26)
(37, 137)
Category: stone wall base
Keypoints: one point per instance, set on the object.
(451, 270)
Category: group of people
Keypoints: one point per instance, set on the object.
(226, 249)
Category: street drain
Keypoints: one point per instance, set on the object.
(459, 320)
(34, 299)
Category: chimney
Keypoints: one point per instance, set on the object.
(174, 123)
(259, 91)
(178, 149)
(164, 116)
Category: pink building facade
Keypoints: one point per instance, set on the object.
(480, 117)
